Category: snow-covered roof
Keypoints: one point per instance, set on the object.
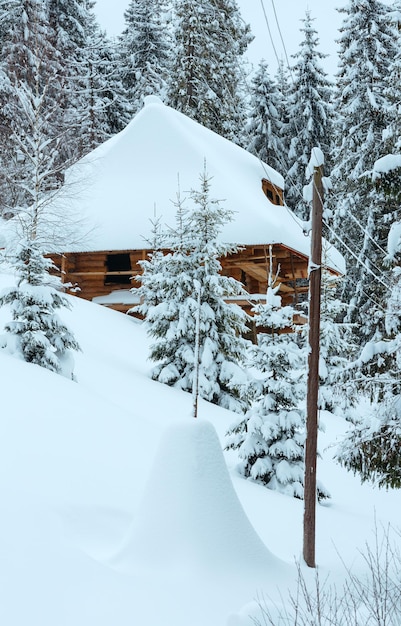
(121, 186)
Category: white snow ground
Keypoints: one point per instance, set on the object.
(117, 508)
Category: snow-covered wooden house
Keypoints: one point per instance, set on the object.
(123, 185)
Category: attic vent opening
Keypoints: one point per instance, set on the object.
(118, 269)
(272, 192)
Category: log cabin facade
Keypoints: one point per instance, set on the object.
(107, 276)
(129, 181)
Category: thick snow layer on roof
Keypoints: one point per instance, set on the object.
(133, 177)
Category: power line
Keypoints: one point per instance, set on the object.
(270, 33)
(295, 186)
(359, 261)
(280, 32)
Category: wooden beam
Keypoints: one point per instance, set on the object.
(255, 270)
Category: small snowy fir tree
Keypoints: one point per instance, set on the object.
(151, 291)
(270, 437)
(172, 286)
(36, 333)
(371, 447)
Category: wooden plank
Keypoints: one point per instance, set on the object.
(256, 271)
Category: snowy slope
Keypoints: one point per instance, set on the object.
(117, 508)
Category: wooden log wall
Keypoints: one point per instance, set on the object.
(251, 267)
(97, 274)
(89, 272)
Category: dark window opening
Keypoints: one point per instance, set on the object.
(117, 279)
(118, 269)
(118, 262)
(269, 194)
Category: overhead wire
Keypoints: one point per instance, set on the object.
(280, 32)
(268, 28)
(353, 254)
(337, 236)
(290, 69)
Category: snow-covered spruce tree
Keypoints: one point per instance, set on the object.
(152, 289)
(104, 106)
(265, 128)
(392, 133)
(367, 49)
(283, 89)
(169, 287)
(25, 38)
(68, 19)
(36, 333)
(207, 76)
(76, 38)
(144, 50)
(310, 115)
(270, 437)
(371, 448)
(338, 391)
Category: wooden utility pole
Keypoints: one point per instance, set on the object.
(315, 275)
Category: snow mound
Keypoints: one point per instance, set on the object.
(191, 517)
(152, 100)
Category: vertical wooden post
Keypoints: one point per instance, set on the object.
(63, 268)
(195, 382)
(315, 273)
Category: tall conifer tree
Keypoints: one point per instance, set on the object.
(310, 115)
(144, 51)
(265, 128)
(36, 333)
(185, 284)
(30, 69)
(103, 102)
(371, 447)
(367, 49)
(206, 80)
(92, 100)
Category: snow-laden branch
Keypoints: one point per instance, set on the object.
(316, 160)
